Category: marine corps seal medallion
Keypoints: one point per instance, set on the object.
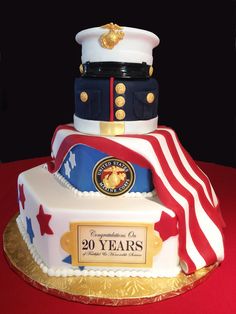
(113, 176)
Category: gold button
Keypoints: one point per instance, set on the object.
(120, 88)
(81, 69)
(150, 98)
(120, 101)
(120, 114)
(83, 96)
(151, 71)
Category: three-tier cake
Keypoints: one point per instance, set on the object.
(121, 196)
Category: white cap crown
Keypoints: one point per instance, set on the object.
(112, 43)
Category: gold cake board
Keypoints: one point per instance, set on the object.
(112, 291)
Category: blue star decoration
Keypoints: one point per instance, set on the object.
(30, 229)
(68, 260)
(81, 267)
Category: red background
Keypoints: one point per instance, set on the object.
(215, 295)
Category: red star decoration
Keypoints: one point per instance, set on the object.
(43, 220)
(166, 226)
(22, 195)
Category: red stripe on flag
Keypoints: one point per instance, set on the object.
(191, 162)
(111, 99)
(217, 219)
(198, 237)
(100, 143)
(62, 127)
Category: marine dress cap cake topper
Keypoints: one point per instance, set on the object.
(115, 93)
(119, 44)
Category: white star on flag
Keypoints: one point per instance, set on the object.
(67, 169)
(72, 160)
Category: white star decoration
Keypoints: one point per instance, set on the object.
(72, 160)
(67, 169)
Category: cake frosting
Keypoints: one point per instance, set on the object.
(121, 196)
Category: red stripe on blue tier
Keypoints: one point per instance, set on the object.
(111, 99)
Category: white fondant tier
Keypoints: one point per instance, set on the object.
(130, 127)
(40, 190)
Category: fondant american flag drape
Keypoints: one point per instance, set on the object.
(179, 182)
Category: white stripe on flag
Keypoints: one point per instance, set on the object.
(207, 226)
(187, 165)
(59, 138)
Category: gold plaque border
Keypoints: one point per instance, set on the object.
(70, 244)
(109, 291)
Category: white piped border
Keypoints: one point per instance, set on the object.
(63, 272)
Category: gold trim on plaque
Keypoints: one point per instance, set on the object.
(152, 244)
(108, 128)
(67, 242)
(112, 37)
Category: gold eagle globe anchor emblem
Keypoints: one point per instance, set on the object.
(114, 177)
(112, 37)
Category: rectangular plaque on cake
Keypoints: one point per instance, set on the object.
(111, 244)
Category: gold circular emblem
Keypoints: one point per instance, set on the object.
(83, 96)
(113, 176)
(150, 98)
(120, 88)
(81, 69)
(151, 71)
(120, 114)
(120, 101)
